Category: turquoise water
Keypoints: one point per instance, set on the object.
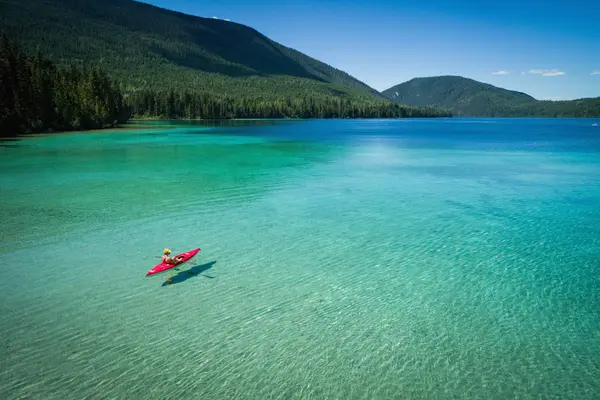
(425, 259)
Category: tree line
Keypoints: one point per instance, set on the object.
(38, 96)
(172, 104)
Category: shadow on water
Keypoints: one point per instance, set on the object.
(183, 276)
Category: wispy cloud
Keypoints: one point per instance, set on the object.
(501, 72)
(546, 72)
(596, 72)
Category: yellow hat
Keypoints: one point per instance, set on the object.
(166, 251)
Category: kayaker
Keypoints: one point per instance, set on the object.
(170, 260)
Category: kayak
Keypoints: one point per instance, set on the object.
(162, 267)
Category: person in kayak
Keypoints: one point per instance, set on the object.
(170, 260)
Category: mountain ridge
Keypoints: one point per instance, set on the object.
(136, 41)
(468, 97)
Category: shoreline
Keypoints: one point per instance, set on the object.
(126, 126)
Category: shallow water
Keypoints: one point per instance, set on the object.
(364, 259)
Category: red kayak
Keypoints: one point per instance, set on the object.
(162, 267)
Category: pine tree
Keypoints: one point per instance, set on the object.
(35, 96)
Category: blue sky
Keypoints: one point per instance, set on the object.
(548, 49)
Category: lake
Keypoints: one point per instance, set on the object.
(355, 259)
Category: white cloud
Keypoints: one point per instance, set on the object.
(500, 73)
(214, 18)
(227, 19)
(596, 72)
(546, 72)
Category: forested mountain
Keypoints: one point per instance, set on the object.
(172, 65)
(467, 97)
(149, 47)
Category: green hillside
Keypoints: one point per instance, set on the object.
(467, 97)
(171, 65)
(149, 47)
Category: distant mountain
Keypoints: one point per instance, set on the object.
(149, 47)
(467, 97)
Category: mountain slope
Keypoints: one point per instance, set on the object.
(464, 96)
(146, 46)
(467, 97)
